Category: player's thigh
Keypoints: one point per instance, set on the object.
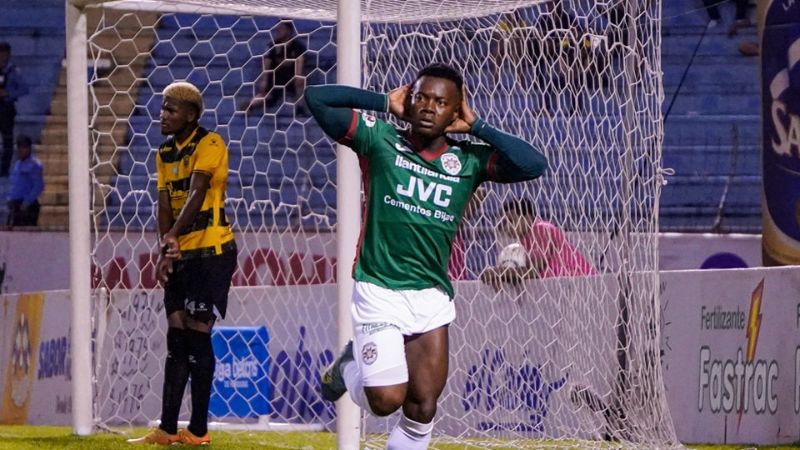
(381, 317)
(175, 293)
(209, 281)
(379, 352)
(427, 356)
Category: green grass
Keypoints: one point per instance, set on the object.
(19, 437)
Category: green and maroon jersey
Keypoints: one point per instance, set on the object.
(414, 203)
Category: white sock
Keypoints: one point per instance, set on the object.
(410, 435)
(355, 385)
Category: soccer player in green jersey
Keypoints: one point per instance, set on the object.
(418, 183)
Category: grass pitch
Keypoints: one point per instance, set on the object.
(24, 437)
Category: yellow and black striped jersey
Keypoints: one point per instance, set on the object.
(203, 151)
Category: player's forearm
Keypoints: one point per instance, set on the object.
(519, 159)
(332, 106)
(338, 96)
(165, 220)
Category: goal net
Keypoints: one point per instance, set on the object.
(565, 360)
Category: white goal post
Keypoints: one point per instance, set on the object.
(570, 361)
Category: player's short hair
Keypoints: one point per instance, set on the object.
(24, 141)
(186, 92)
(521, 206)
(5, 47)
(442, 70)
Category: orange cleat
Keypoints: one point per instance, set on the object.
(187, 437)
(157, 436)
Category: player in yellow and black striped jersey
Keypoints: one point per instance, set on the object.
(197, 261)
(202, 152)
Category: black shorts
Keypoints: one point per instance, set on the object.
(199, 285)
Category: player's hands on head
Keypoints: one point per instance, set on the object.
(466, 116)
(399, 102)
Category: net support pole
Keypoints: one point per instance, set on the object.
(79, 232)
(348, 214)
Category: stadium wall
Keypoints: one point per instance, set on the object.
(276, 258)
(730, 340)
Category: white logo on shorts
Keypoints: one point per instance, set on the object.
(369, 353)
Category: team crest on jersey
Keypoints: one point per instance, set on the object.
(369, 353)
(369, 120)
(451, 163)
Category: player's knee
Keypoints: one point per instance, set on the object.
(177, 319)
(385, 402)
(200, 322)
(422, 412)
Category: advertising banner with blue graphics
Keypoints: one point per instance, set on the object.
(731, 342)
(533, 375)
(780, 90)
(242, 387)
(284, 332)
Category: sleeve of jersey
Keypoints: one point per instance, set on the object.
(333, 107)
(512, 159)
(210, 153)
(162, 184)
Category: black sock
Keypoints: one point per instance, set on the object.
(176, 373)
(201, 366)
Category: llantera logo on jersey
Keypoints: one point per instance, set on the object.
(451, 163)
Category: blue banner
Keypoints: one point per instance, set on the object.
(242, 387)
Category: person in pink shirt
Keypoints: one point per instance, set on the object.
(549, 253)
(457, 265)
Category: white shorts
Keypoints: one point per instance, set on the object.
(381, 317)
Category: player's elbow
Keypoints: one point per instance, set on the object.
(312, 93)
(538, 164)
(312, 96)
(533, 167)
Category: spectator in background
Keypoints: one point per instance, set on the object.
(26, 185)
(12, 87)
(457, 265)
(284, 69)
(740, 19)
(548, 251)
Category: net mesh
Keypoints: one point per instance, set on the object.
(565, 360)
